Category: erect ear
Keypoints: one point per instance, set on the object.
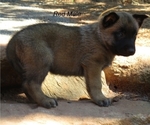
(139, 18)
(110, 19)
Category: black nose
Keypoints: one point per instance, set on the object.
(130, 51)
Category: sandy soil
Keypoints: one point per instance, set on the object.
(74, 113)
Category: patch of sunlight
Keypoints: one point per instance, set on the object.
(87, 21)
(69, 24)
(37, 9)
(14, 25)
(17, 7)
(4, 39)
(9, 27)
(30, 122)
(49, 119)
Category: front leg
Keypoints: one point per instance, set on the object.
(92, 74)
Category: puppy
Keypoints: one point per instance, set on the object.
(79, 51)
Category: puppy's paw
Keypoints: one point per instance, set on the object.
(104, 102)
(49, 103)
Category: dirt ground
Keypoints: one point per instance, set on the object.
(124, 112)
(15, 14)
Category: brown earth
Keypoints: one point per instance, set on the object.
(124, 112)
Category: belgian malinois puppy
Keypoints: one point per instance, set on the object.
(79, 51)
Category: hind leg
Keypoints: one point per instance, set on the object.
(32, 87)
(36, 64)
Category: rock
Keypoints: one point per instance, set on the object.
(71, 87)
(131, 73)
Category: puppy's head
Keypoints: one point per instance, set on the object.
(118, 32)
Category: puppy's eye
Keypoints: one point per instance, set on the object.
(120, 34)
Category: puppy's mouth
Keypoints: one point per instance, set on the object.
(126, 52)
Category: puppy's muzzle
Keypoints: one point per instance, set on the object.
(128, 51)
